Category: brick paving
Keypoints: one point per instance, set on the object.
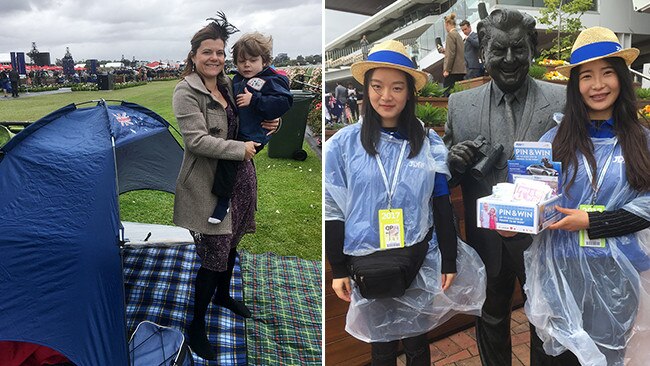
(460, 349)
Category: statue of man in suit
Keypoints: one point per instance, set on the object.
(512, 107)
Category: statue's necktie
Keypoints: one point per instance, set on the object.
(509, 120)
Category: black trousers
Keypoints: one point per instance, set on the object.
(14, 88)
(450, 81)
(493, 327)
(416, 349)
(473, 73)
(224, 176)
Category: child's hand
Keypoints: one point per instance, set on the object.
(244, 99)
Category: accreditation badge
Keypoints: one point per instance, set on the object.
(391, 228)
(584, 238)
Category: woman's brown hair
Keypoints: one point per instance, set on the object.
(451, 19)
(219, 28)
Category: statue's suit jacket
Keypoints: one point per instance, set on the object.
(468, 117)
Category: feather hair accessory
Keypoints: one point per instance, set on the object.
(221, 25)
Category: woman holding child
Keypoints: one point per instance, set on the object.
(206, 111)
(587, 278)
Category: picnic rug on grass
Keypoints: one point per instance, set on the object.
(284, 295)
(159, 287)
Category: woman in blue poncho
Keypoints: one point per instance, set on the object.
(587, 278)
(386, 194)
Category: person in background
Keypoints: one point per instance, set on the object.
(454, 63)
(341, 95)
(4, 80)
(352, 102)
(14, 78)
(415, 53)
(473, 64)
(586, 274)
(365, 47)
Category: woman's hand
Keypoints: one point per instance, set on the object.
(272, 126)
(250, 149)
(342, 287)
(573, 221)
(447, 279)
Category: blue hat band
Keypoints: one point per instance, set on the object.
(597, 49)
(391, 57)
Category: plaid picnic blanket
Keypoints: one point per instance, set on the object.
(159, 288)
(284, 294)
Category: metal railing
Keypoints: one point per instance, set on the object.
(349, 55)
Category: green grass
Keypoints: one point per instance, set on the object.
(289, 191)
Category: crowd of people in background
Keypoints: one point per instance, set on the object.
(342, 105)
(10, 80)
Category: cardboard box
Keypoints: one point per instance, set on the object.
(522, 217)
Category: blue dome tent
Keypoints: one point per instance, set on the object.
(61, 280)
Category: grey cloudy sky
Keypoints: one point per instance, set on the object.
(151, 29)
(337, 23)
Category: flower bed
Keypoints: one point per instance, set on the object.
(553, 63)
(40, 88)
(645, 111)
(84, 87)
(309, 78)
(554, 75)
(128, 84)
(315, 117)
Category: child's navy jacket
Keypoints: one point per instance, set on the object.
(271, 99)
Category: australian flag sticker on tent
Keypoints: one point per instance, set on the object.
(123, 119)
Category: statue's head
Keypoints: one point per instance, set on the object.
(508, 42)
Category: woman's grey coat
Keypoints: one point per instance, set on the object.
(204, 127)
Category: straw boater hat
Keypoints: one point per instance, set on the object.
(593, 44)
(391, 54)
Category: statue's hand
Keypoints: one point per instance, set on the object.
(462, 155)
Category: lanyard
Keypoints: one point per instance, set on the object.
(391, 189)
(595, 186)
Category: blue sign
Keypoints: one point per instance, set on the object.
(93, 66)
(515, 215)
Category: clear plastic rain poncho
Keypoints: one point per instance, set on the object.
(355, 192)
(593, 301)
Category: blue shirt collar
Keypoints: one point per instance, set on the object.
(394, 132)
(606, 128)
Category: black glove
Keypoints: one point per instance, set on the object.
(462, 155)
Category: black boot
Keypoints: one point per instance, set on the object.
(222, 298)
(206, 282)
